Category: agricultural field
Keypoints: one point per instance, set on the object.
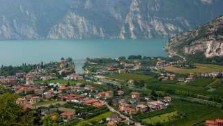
(61, 81)
(182, 113)
(94, 119)
(201, 86)
(129, 76)
(164, 118)
(200, 68)
(192, 113)
(201, 82)
(48, 103)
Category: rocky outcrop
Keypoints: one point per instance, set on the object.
(16, 29)
(75, 27)
(140, 25)
(207, 39)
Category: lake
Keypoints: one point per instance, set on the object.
(34, 51)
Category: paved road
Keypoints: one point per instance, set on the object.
(121, 115)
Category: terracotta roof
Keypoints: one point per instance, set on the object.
(133, 93)
(67, 113)
(90, 101)
(214, 122)
(219, 120)
(98, 104)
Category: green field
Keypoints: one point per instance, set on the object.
(47, 103)
(129, 76)
(200, 68)
(160, 118)
(200, 86)
(185, 114)
(215, 84)
(187, 89)
(65, 109)
(94, 119)
(201, 82)
(192, 113)
(61, 81)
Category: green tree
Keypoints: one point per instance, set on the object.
(51, 120)
(11, 113)
(122, 58)
(26, 119)
(69, 59)
(9, 110)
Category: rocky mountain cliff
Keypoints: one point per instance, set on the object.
(81, 19)
(206, 40)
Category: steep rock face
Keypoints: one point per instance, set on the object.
(17, 29)
(140, 25)
(75, 27)
(125, 19)
(207, 39)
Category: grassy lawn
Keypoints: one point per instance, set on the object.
(194, 113)
(61, 81)
(160, 118)
(47, 103)
(94, 119)
(129, 76)
(200, 68)
(65, 109)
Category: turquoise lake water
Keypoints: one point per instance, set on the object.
(34, 51)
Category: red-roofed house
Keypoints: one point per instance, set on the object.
(156, 105)
(48, 94)
(8, 80)
(34, 99)
(142, 108)
(135, 95)
(71, 97)
(68, 115)
(98, 104)
(105, 94)
(217, 122)
(89, 101)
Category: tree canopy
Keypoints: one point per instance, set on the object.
(12, 114)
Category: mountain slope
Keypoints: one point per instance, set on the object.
(78, 19)
(205, 41)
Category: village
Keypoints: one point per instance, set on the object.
(107, 86)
